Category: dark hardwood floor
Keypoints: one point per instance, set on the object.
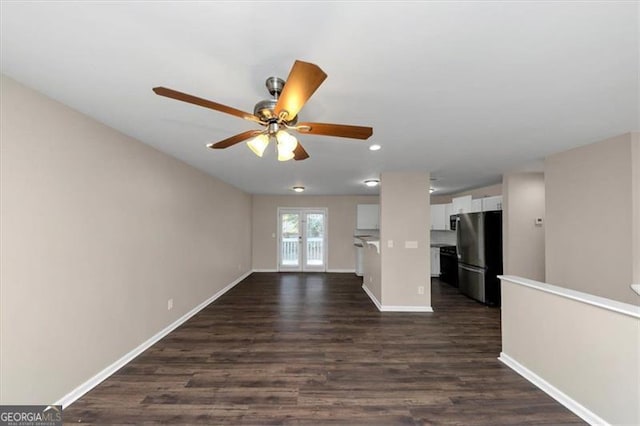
(313, 349)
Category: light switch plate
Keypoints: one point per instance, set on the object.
(390, 243)
(411, 244)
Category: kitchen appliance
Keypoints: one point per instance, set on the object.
(359, 245)
(479, 247)
(449, 265)
(453, 222)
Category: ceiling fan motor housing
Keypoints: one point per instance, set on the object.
(264, 109)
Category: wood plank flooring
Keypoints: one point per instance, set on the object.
(313, 349)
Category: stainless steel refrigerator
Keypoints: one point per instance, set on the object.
(479, 246)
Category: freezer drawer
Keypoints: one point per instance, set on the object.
(471, 282)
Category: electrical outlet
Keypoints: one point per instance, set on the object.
(390, 243)
(370, 279)
(239, 267)
(421, 290)
(169, 304)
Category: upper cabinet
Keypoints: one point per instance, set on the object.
(448, 211)
(492, 203)
(368, 216)
(439, 218)
(462, 204)
(440, 213)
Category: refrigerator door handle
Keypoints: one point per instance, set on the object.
(471, 268)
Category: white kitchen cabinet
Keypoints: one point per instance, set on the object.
(492, 203)
(435, 262)
(439, 220)
(462, 204)
(368, 216)
(476, 205)
(448, 211)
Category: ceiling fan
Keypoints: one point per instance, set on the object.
(278, 115)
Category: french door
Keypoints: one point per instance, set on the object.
(302, 239)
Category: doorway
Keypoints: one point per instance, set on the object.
(302, 239)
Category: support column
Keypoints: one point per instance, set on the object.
(405, 241)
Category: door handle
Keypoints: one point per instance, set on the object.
(470, 269)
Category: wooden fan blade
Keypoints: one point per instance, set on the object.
(235, 139)
(173, 94)
(340, 130)
(299, 153)
(304, 78)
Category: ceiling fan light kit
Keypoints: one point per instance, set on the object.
(259, 144)
(278, 115)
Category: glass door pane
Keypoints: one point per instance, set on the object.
(314, 241)
(290, 237)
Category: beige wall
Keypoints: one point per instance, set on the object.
(98, 232)
(522, 241)
(405, 217)
(372, 274)
(341, 224)
(589, 226)
(590, 353)
(485, 191)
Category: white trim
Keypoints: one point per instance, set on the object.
(329, 271)
(636, 288)
(555, 393)
(372, 297)
(94, 381)
(390, 308)
(590, 299)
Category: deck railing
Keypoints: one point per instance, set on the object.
(290, 251)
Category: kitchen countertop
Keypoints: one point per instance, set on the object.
(372, 240)
(367, 238)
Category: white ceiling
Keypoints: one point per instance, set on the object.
(465, 90)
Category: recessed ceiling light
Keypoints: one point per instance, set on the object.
(298, 188)
(374, 147)
(372, 182)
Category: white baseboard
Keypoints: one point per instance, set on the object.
(372, 297)
(578, 409)
(390, 308)
(85, 387)
(331, 271)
